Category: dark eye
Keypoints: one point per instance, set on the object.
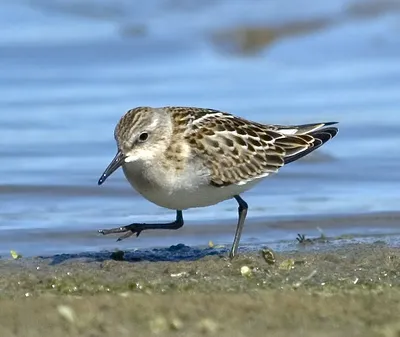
(143, 136)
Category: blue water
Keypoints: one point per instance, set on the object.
(70, 69)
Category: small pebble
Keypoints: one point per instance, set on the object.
(268, 256)
(67, 313)
(287, 264)
(176, 324)
(207, 325)
(181, 274)
(245, 271)
(158, 325)
(15, 255)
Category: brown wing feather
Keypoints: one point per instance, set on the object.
(237, 150)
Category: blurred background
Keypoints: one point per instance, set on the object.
(70, 68)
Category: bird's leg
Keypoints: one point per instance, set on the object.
(242, 210)
(137, 228)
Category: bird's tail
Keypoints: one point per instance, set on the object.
(303, 139)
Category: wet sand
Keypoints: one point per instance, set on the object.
(316, 290)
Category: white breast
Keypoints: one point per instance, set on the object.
(179, 192)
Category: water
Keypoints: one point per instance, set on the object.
(69, 70)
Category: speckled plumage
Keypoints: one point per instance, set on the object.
(195, 157)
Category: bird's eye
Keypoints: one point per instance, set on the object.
(143, 137)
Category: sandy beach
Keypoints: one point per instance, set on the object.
(351, 290)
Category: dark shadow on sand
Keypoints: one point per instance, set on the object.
(179, 252)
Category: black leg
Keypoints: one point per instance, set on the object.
(242, 210)
(137, 228)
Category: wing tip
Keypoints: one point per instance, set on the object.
(329, 123)
(321, 136)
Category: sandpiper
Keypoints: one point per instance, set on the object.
(185, 157)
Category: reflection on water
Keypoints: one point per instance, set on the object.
(70, 69)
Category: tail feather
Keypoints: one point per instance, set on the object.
(303, 129)
(320, 136)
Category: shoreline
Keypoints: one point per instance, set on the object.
(277, 232)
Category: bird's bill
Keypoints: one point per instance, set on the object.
(114, 165)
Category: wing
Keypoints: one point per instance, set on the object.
(237, 151)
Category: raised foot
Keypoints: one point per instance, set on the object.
(128, 230)
(137, 228)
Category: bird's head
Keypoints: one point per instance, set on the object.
(142, 134)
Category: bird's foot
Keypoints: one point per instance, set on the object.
(137, 228)
(128, 230)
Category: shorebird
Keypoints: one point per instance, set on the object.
(185, 157)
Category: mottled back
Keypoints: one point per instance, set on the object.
(237, 151)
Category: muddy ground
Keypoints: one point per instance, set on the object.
(316, 290)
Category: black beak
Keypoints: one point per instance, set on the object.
(115, 164)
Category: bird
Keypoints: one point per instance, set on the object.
(181, 157)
